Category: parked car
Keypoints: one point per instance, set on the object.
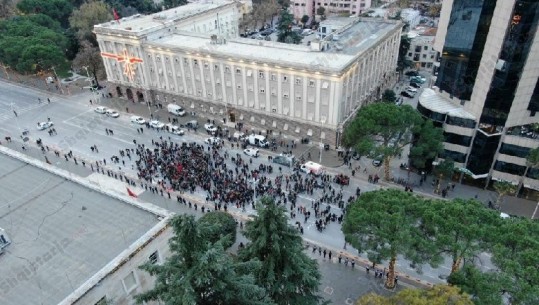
(44, 125)
(415, 85)
(377, 161)
(112, 113)
(213, 141)
(101, 110)
(418, 79)
(156, 124)
(138, 120)
(411, 73)
(251, 152)
(210, 128)
(286, 160)
(411, 89)
(174, 129)
(407, 94)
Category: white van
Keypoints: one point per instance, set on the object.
(175, 109)
(257, 140)
(313, 168)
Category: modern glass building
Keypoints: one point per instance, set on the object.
(486, 92)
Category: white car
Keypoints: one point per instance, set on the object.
(213, 141)
(44, 125)
(101, 109)
(251, 152)
(174, 129)
(112, 113)
(156, 124)
(411, 89)
(210, 128)
(138, 120)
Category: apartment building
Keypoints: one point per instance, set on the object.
(301, 8)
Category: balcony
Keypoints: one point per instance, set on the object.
(490, 130)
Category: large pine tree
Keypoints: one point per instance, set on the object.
(200, 272)
(287, 273)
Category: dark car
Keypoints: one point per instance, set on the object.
(284, 160)
(415, 85)
(411, 73)
(407, 94)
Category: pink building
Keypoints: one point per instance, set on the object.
(308, 7)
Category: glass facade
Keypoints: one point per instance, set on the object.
(453, 155)
(514, 53)
(514, 150)
(435, 116)
(457, 139)
(467, 123)
(467, 31)
(509, 168)
(482, 154)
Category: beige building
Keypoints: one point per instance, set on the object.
(192, 55)
(486, 93)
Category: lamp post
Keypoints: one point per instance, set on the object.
(58, 80)
(322, 121)
(92, 89)
(254, 181)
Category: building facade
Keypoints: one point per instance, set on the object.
(487, 92)
(301, 8)
(192, 55)
(422, 53)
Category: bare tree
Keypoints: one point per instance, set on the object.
(6, 8)
(90, 58)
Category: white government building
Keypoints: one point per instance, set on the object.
(192, 55)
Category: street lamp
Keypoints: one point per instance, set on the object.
(254, 181)
(322, 121)
(58, 80)
(92, 89)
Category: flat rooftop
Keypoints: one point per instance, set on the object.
(62, 233)
(352, 42)
(140, 23)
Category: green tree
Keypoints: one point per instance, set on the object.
(428, 143)
(288, 274)
(285, 29)
(532, 161)
(385, 224)
(31, 43)
(89, 57)
(173, 3)
(321, 11)
(200, 272)
(58, 10)
(382, 129)
(218, 225)
(459, 228)
(389, 96)
(304, 19)
(484, 286)
(437, 295)
(515, 253)
(402, 62)
(89, 14)
(503, 188)
(129, 7)
(443, 170)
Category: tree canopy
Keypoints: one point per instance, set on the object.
(428, 143)
(201, 272)
(89, 57)
(385, 224)
(218, 225)
(437, 295)
(58, 10)
(287, 273)
(173, 3)
(31, 43)
(89, 14)
(285, 29)
(382, 129)
(389, 96)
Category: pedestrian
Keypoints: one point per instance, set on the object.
(353, 263)
(329, 254)
(39, 100)
(49, 100)
(314, 248)
(15, 112)
(367, 269)
(107, 131)
(325, 252)
(90, 102)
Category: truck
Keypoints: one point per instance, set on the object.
(312, 168)
(257, 140)
(176, 109)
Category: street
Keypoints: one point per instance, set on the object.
(79, 128)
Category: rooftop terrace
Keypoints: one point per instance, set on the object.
(62, 233)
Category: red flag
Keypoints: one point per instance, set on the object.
(130, 193)
(116, 16)
(179, 167)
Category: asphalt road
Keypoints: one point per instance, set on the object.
(79, 127)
